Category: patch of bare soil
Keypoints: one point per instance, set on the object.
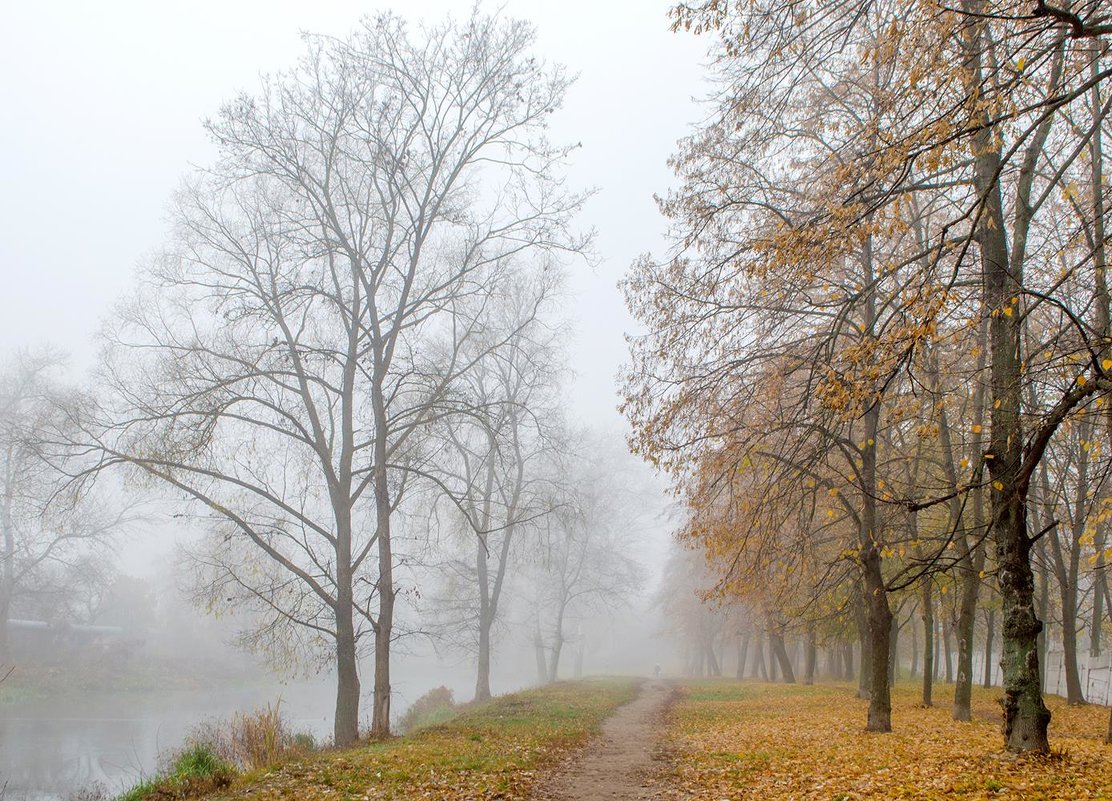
(623, 763)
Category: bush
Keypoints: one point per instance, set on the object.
(304, 742)
(198, 761)
(435, 706)
(253, 740)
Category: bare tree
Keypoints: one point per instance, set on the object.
(494, 466)
(52, 533)
(584, 562)
(275, 368)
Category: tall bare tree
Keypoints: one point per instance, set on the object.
(276, 369)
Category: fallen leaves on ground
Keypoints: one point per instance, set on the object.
(739, 740)
(494, 750)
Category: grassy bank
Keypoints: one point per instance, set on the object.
(491, 750)
(761, 741)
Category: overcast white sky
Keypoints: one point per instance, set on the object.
(102, 105)
(101, 108)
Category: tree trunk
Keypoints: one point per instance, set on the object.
(967, 618)
(937, 650)
(713, 666)
(880, 622)
(384, 630)
(877, 611)
(914, 647)
(947, 628)
(346, 723)
(758, 669)
(1069, 650)
(539, 655)
(927, 583)
(1043, 606)
(554, 660)
(482, 678)
(780, 653)
(847, 652)
(811, 659)
(1097, 621)
(742, 655)
(990, 630)
(346, 729)
(865, 649)
(1025, 715)
(1103, 321)
(893, 649)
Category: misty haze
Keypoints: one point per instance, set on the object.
(625, 400)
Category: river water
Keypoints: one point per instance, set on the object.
(52, 747)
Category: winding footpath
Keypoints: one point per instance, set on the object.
(618, 765)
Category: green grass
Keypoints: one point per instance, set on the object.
(195, 771)
(140, 791)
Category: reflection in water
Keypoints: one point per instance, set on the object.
(49, 748)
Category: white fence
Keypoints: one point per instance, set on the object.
(1095, 674)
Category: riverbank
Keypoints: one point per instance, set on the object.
(30, 680)
(497, 749)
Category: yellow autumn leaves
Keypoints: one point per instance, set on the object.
(741, 741)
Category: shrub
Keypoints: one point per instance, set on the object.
(253, 740)
(435, 706)
(198, 761)
(304, 742)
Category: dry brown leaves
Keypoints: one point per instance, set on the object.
(758, 741)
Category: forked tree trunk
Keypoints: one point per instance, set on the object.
(742, 654)
(780, 653)
(758, 669)
(1025, 715)
(713, 666)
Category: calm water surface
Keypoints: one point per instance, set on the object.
(52, 747)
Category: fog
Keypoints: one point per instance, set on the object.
(142, 595)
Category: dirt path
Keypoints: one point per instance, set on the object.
(619, 763)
